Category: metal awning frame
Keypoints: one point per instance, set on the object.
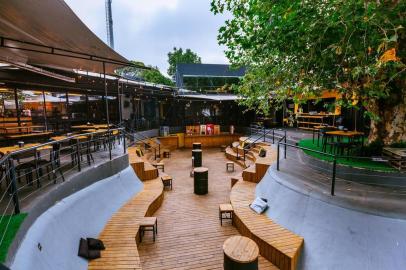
(39, 48)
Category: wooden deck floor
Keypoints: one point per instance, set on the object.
(189, 232)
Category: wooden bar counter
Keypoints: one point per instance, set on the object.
(211, 140)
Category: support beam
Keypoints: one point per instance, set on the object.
(17, 107)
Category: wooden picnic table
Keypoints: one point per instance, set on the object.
(92, 126)
(350, 134)
(28, 135)
(9, 149)
(20, 128)
(342, 133)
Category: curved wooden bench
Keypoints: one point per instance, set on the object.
(142, 166)
(277, 244)
(120, 235)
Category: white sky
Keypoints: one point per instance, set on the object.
(147, 30)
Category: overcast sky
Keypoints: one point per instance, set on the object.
(146, 30)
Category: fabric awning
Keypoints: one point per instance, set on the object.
(51, 24)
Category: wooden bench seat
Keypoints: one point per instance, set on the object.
(120, 235)
(141, 165)
(277, 244)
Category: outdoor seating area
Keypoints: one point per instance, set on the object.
(270, 136)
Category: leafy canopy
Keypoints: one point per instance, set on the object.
(178, 56)
(300, 48)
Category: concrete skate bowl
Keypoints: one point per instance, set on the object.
(53, 239)
(337, 237)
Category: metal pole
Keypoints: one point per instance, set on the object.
(120, 113)
(277, 158)
(333, 180)
(285, 146)
(107, 108)
(45, 111)
(14, 191)
(67, 108)
(78, 155)
(273, 136)
(124, 143)
(264, 132)
(17, 107)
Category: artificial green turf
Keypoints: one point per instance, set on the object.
(10, 224)
(358, 163)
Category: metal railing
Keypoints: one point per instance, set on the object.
(283, 142)
(332, 158)
(136, 138)
(258, 134)
(51, 157)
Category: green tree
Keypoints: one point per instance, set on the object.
(152, 75)
(299, 48)
(178, 56)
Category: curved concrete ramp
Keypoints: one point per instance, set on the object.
(335, 237)
(52, 241)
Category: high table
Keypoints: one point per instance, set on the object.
(351, 135)
(201, 180)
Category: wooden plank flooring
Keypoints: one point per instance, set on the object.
(189, 232)
(119, 233)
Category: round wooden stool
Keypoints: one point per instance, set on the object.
(240, 253)
(201, 180)
(197, 145)
(197, 157)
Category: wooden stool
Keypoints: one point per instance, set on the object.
(160, 165)
(223, 148)
(167, 153)
(230, 165)
(148, 224)
(240, 253)
(226, 212)
(167, 181)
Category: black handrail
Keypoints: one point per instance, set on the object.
(132, 135)
(334, 169)
(7, 159)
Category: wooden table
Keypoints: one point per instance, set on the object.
(100, 126)
(317, 128)
(351, 135)
(10, 149)
(20, 128)
(396, 156)
(28, 135)
(240, 253)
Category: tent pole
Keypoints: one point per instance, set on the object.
(107, 107)
(17, 108)
(45, 111)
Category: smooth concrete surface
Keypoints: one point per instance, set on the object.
(52, 241)
(74, 182)
(335, 237)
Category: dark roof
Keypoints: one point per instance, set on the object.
(208, 70)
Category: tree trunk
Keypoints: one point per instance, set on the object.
(391, 127)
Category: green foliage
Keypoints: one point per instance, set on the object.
(178, 56)
(299, 48)
(152, 75)
(10, 225)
